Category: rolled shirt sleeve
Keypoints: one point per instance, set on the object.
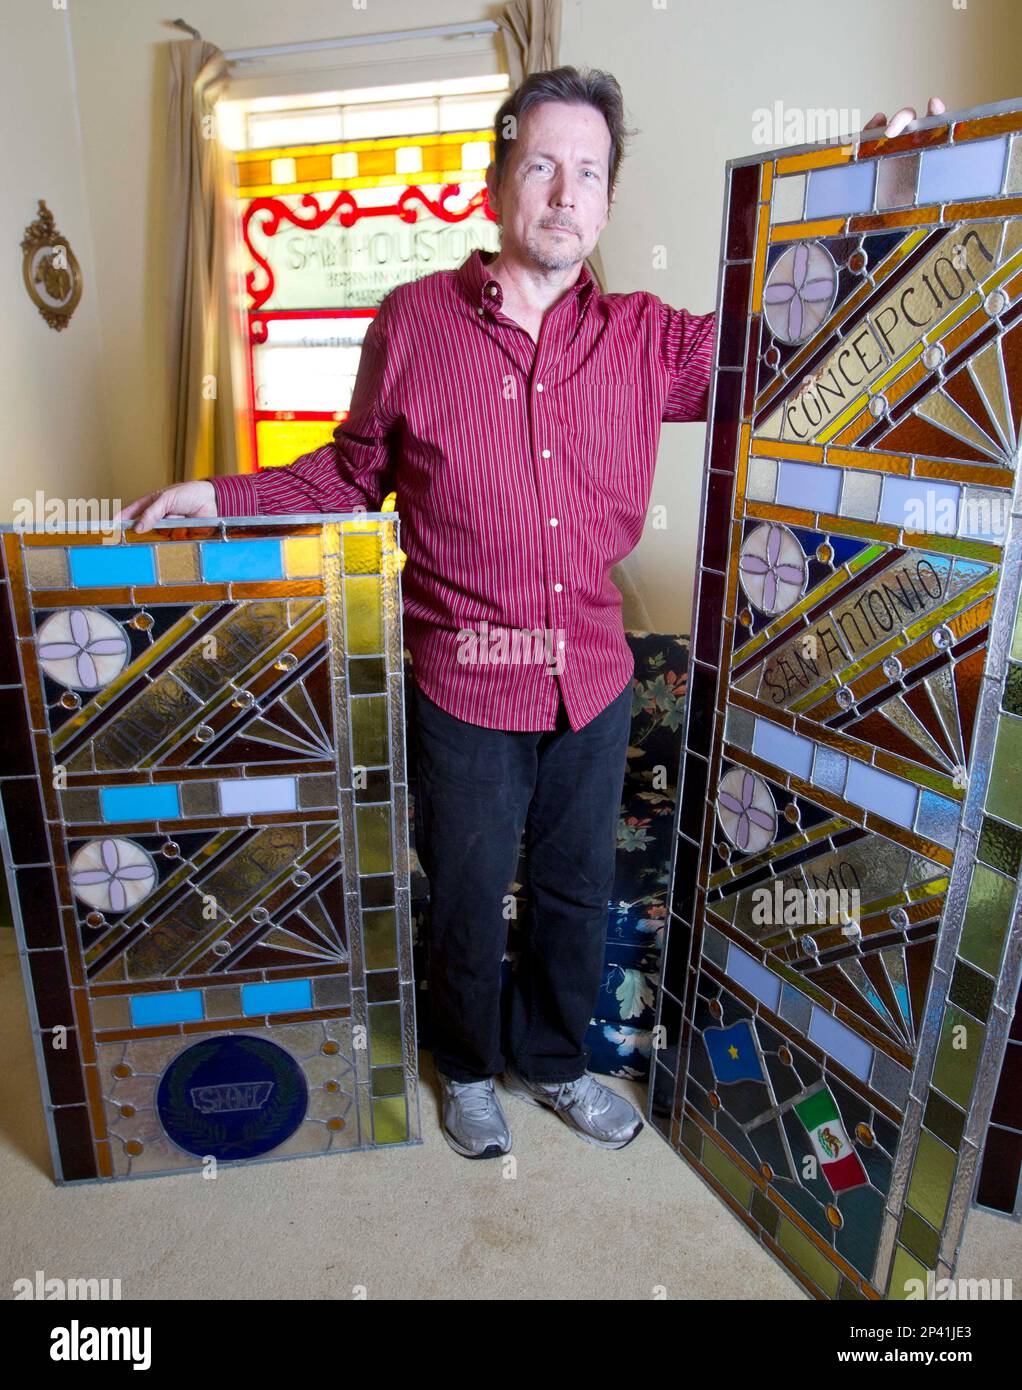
(687, 349)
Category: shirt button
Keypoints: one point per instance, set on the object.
(491, 289)
(558, 588)
(539, 386)
(560, 644)
(480, 309)
(553, 521)
(546, 453)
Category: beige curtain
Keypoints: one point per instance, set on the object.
(203, 314)
(532, 41)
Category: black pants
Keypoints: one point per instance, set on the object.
(477, 790)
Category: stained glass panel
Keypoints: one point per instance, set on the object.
(206, 838)
(328, 229)
(843, 948)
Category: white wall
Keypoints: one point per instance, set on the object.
(51, 383)
(693, 75)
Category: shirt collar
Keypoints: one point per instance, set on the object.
(484, 291)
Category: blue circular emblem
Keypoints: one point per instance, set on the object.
(232, 1097)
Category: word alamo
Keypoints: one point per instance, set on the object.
(779, 906)
(42, 513)
(511, 646)
(76, 1343)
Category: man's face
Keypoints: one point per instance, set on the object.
(553, 202)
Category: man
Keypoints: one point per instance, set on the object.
(517, 410)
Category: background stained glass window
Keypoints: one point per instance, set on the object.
(338, 204)
(842, 956)
(206, 837)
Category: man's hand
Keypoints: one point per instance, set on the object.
(181, 499)
(907, 114)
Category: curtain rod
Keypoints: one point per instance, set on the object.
(244, 55)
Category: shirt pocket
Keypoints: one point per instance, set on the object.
(605, 426)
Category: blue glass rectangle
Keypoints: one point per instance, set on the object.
(808, 486)
(756, 978)
(251, 795)
(878, 791)
(226, 560)
(179, 1006)
(920, 505)
(161, 802)
(281, 996)
(846, 188)
(841, 1043)
(971, 170)
(94, 566)
(783, 748)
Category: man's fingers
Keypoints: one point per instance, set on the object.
(156, 509)
(126, 513)
(900, 120)
(903, 118)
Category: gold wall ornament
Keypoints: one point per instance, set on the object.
(53, 276)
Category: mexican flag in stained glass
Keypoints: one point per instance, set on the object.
(838, 1161)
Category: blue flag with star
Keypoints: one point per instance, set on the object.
(733, 1054)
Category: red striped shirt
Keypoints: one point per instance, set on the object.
(523, 473)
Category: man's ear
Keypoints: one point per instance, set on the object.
(492, 195)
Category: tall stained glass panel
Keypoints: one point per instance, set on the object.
(205, 827)
(843, 946)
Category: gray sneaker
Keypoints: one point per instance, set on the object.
(595, 1112)
(473, 1121)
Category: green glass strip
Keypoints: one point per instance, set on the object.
(987, 918)
(388, 1081)
(958, 1052)
(692, 1138)
(1011, 700)
(373, 833)
(1000, 846)
(385, 1034)
(727, 1173)
(1004, 792)
(932, 1175)
(808, 1257)
(906, 1272)
(765, 1212)
(919, 1237)
(945, 1120)
(390, 1120)
(379, 930)
(971, 991)
(1016, 641)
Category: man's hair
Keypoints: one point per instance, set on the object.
(590, 87)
